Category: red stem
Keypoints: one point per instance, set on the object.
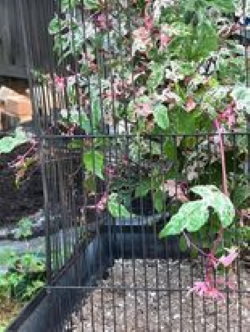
(223, 160)
(22, 158)
(209, 265)
(224, 182)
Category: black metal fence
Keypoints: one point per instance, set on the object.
(125, 278)
(122, 147)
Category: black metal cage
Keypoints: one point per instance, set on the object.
(123, 277)
(131, 115)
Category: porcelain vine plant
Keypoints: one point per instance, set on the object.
(153, 68)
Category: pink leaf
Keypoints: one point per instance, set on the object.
(190, 104)
(228, 116)
(175, 189)
(59, 82)
(148, 22)
(144, 109)
(142, 38)
(103, 22)
(169, 96)
(142, 35)
(164, 40)
(206, 289)
(228, 259)
(101, 205)
(110, 171)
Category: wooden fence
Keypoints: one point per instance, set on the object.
(12, 46)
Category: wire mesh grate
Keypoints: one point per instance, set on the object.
(141, 102)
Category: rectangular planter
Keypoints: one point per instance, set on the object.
(46, 313)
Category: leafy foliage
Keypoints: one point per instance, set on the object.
(161, 116)
(116, 209)
(26, 271)
(164, 67)
(242, 96)
(93, 161)
(192, 216)
(24, 229)
(179, 56)
(9, 143)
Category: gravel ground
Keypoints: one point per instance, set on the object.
(140, 307)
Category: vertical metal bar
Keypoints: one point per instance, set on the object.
(111, 237)
(44, 169)
(129, 141)
(176, 138)
(144, 246)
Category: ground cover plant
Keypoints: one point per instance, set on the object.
(25, 275)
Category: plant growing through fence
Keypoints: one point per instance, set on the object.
(170, 68)
(185, 72)
(25, 161)
(196, 217)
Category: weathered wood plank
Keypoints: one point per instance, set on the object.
(13, 70)
(12, 50)
(12, 57)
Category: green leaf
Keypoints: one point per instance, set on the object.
(116, 209)
(92, 4)
(66, 4)
(90, 183)
(207, 39)
(96, 113)
(93, 161)
(215, 199)
(226, 6)
(161, 116)
(24, 228)
(191, 216)
(170, 149)
(183, 122)
(143, 188)
(7, 256)
(158, 201)
(241, 95)
(71, 4)
(85, 123)
(183, 244)
(9, 143)
(240, 195)
(137, 101)
(79, 118)
(75, 144)
(54, 26)
(156, 77)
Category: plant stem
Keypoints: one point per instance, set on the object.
(224, 182)
(188, 240)
(223, 160)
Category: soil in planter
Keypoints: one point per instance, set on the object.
(9, 309)
(16, 203)
(116, 305)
